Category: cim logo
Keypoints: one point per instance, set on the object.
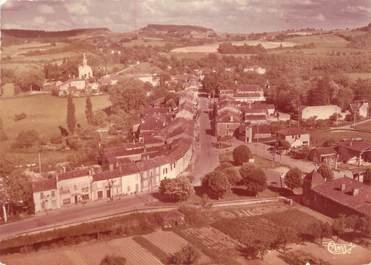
(339, 249)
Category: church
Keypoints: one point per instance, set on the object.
(85, 71)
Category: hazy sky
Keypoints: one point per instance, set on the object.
(221, 15)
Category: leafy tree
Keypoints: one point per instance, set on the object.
(179, 189)
(19, 189)
(216, 184)
(71, 116)
(6, 166)
(326, 172)
(367, 177)
(293, 178)
(128, 95)
(89, 111)
(253, 179)
(241, 154)
(186, 256)
(233, 175)
(113, 260)
(319, 94)
(26, 139)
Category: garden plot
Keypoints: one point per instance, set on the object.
(250, 211)
(133, 252)
(86, 254)
(212, 238)
(169, 242)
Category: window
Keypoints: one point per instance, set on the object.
(128, 189)
(100, 194)
(53, 193)
(85, 190)
(41, 195)
(85, 197)
(66, 201)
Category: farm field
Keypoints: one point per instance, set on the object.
(213, 47)
(44, 113)
(162, 238)
(86, 254)
(356, 76)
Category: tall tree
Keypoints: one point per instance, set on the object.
(293, 178)
(367, 177)
(89, 111)
(71, 116)
(326, 172)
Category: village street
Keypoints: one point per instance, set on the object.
(207, 158)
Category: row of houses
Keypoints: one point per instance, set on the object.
(164, 151)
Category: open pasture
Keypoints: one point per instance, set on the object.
(44, 113)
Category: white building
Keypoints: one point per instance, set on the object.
(85, 71)
(320, 112)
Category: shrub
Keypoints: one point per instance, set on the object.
(113, 260)
(186, 256)
(21, 116)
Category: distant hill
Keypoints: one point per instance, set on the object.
(24, 33)
(366, 28)
(176, 30)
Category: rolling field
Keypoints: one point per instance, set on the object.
(44, 113)
(356, 76)
(213, 47)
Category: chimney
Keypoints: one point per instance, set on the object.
(343, 186)
(231, 118)
(355, 192)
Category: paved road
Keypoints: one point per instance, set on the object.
(261, 150)
(207, 155)
(350, 126)
(75, 214)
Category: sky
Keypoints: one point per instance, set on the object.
(234, 16)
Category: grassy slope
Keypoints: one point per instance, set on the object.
(44, 113)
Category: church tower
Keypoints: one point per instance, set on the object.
(85, 71)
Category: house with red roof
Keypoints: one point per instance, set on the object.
(356, 151)
(296, 137)
(45, 195)
(340, 196)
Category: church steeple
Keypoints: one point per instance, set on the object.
(84, 60)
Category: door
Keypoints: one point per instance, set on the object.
(76, 199)
(109, 194)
